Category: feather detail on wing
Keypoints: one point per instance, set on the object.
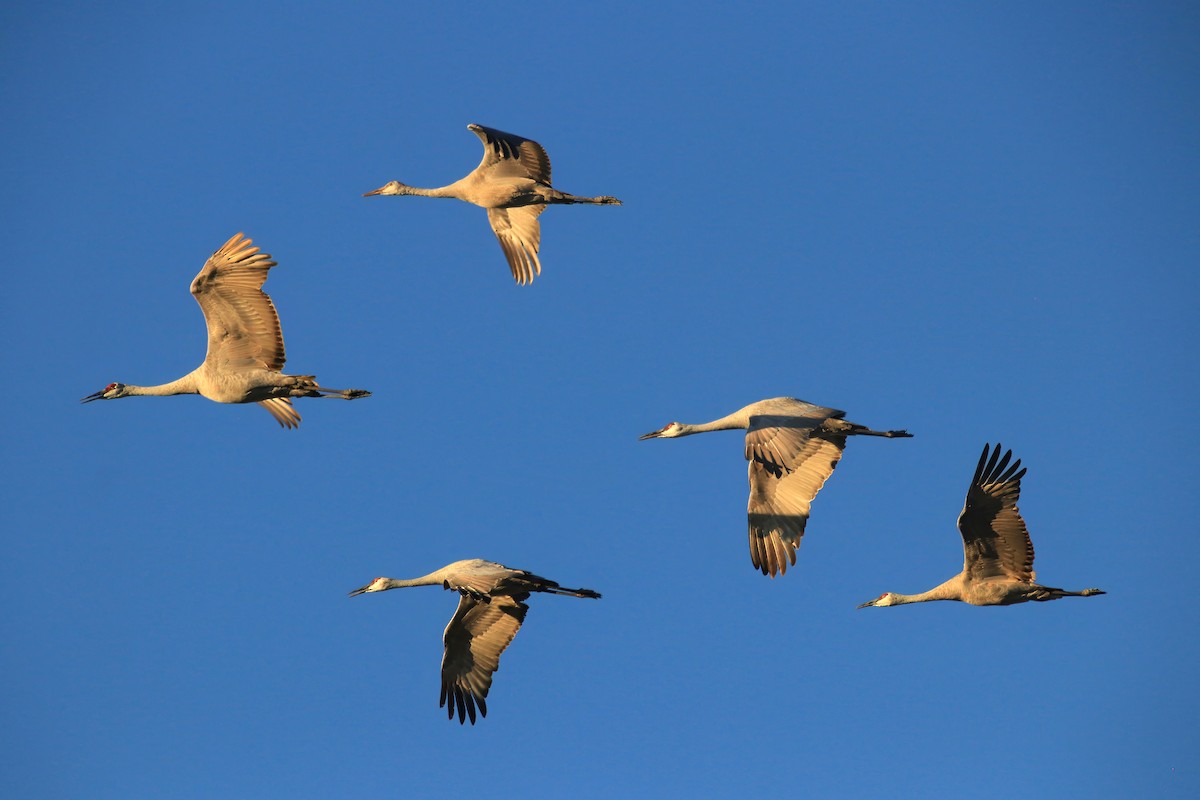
(243, 326)
(476, 636)
(509, 155)
(282, 410)
(520, 235)
(790, 460)
(995, 540)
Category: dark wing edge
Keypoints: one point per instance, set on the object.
(995, 539)
(476, 636)
(499, 146)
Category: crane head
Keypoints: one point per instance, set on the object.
(377, 585)
(884, 599)
(389, 188)
(670, 431)
(110, 392)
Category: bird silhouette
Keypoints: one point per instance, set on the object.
(998, 553)
(491, 608)
(792, 447)
(513, 183)
(245, 342)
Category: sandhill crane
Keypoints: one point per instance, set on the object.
(792, 447)
(245, 343)
(513, 183)
(490, 612)
(998, 554)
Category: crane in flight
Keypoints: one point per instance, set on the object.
(513, 183)
(792, 447)
(491, 608)
(245, 343)
(998, 554)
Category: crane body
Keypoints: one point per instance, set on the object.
(997, 551)
(513, 183)
(491, 609)
(792, 447)
(245, 355)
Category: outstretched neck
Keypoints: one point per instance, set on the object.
(946, 591)
(735, 421)
(439, 191)
(424, 580)
(185, 385)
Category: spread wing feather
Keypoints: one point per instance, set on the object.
(520, 235)
(243, 326)
(790, 460)
(282, 410)
(995, 540)
(476, 636)
(507, 155)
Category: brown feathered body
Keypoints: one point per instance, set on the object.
(997, 551)
(245, 357)
(491, 609)
(513, 183)
(792, 447)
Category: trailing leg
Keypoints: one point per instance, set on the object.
(564, 197)
(854, 429)
(1043, 593)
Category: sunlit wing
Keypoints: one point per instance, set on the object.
(995, 540)
(519, 234)
(790, 460)
(243, 326)
(282, 410)
(476, 636)
(507, 155)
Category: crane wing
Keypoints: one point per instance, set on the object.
(790, 460)
(282, 410)
(506, 155)
(476, 636)
(243, 326)
(519, 234)
(995, 540)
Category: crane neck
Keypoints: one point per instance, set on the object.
(950, 590)
(735, 421)
(425, 580)
(439, 191)
(185, 385)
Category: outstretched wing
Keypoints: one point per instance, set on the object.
(282, 410)
(519, 234)
(507, 155)
(995, 540)
(790, 458)
(243, 327)
(474, 639)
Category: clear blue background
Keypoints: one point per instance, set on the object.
(975, 221)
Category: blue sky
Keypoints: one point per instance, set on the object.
(973, 221)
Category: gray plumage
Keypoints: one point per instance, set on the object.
(513, 183)
(491, 608)
(792, 448)
(245, 355)
(997, 551)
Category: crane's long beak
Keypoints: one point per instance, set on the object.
(376, 191)
(651, 435)
(360, 590)
(94, 396)
(868, 603)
